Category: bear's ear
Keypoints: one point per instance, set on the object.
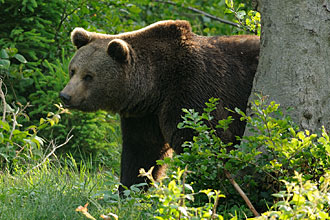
(80, 37)
(119, 50)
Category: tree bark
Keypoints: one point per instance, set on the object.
(294, 63)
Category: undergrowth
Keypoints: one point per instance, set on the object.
(51, 191)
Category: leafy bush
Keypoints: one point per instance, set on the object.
(247, 19)
(20, 143)
(273, 152)
(302, 200)
(168, 199)
(207, 157)
(31, 26)
(171, 197)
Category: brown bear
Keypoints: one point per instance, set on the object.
(149, 75)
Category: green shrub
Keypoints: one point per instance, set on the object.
(31, 26)
(172, 197)
(207, 157)
(275, 149)
(20, 143)
(302, 199)
(168, 199)
(183, 194)
(247, 19)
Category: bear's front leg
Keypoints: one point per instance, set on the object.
(143, 145)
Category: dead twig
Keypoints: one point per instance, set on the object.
(2, 95)
(182, 200)
(242, 194)
(68, 138)
(214, 210)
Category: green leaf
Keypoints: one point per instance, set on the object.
(38, 140)
(42, 121)
(17, 132)
(228, 11)
(3, 54)
(134, 9)
(2, 138)
(4, 125)
(324, 215)
(241, 5)
(230, 3)
(20, 58)
(4, 64)
(240, 15)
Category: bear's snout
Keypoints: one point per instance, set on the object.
(65, 98)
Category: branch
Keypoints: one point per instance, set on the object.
(242, 194)
(14, 126)
(3, 102)
(53, 151)
(64, 16)
(201, 12)
(214, 210)
(183, 189)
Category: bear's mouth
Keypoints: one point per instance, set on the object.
(70, 105)
(84, 106)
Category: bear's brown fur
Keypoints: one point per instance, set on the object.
(149, 75)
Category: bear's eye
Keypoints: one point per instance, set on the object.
(87, 78)
(72, 72)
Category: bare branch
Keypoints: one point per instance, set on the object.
(202, 13)
(2, 96)
(182, 203)
(242, 194)
(68, 138)
(65, 15)
(14, 126)
(214, 210)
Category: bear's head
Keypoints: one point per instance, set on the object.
(98, 72)
(124, 73)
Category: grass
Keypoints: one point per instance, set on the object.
(54, 191)
(51, 192)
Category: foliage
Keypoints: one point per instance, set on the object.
(20, 145)
(15, 74)
(29, 26)
(50, 191)
(35, 51)
(207, 156)
(247, 19)
(271, 154)
(167, 199)
(285, 148)
(171, 198)
(302, 200)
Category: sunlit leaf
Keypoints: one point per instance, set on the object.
(20, 58)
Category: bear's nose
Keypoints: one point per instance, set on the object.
(65, 97)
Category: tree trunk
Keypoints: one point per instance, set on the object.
(294, 63)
